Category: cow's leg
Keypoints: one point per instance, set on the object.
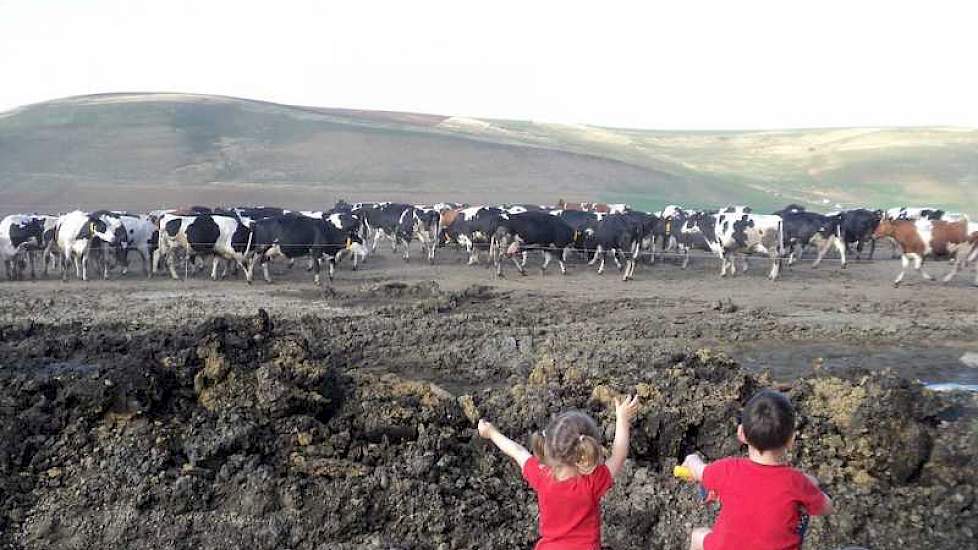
(904, 264)
(601, 265)
(407, 249)
(791, 253)
(597, 252)
(723, 264)
(377, 234)
(171, 263)
(264, 270)
(841, 248)
(820, 251)
(955, 266)
(614, 256)
(775, 265)
(523, 257)
(65, 266)
(872, 247)
(144, 255)
(546, 261)
(685, 258)
(30, 260)
(918, 265)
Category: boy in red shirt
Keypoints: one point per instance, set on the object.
(569, 475)
(761, 497)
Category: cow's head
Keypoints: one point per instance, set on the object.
(354, 243)
(885, 228)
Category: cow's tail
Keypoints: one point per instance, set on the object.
(251, 238)
(781, 240)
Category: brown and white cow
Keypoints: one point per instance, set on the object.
(918, 239)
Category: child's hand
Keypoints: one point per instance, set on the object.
(626, 408)
(485, 429)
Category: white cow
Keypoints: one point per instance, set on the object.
(76, 235)
(141, 237)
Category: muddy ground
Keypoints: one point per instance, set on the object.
(166, 414)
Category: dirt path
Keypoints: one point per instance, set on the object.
(922, 329)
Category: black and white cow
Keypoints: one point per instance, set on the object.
(426, 223)
(20, 234)
(292, 236)
(142, 237)
(349, 224)
(617, 234)
(473, 228)
(387, 220)
(218, 236)
(531, 231)
(665, 230)
(803, 228)
(79, 234)
(727, 233)
(736, 231)
(914, 213)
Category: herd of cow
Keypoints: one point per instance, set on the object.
(241, 239)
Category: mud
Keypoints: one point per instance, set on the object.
(217, 415)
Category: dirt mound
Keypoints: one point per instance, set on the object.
(351, 433)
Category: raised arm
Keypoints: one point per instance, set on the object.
(624, 412)
(511, 448)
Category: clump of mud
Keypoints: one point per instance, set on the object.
(358, 432)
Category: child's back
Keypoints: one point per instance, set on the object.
(761, 497)
(570, 510)
(760, 504)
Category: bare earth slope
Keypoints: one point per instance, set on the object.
(153, 150)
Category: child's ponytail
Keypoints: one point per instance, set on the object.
(589, 454)
(538, 444)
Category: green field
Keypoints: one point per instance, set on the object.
(191, 146)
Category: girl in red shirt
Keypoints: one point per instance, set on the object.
(568, 473)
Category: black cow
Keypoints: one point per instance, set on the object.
(802, 228)
(293, 236)
(578, 219)
(617, 233)
(531, 231)
(858, 226)
(425, 223)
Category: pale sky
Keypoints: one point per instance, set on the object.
(646, 64)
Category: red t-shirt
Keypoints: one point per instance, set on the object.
(759, 504)
(570, 510)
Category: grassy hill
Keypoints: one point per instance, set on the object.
(151, 150)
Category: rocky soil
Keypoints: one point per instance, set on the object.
(188, 417)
